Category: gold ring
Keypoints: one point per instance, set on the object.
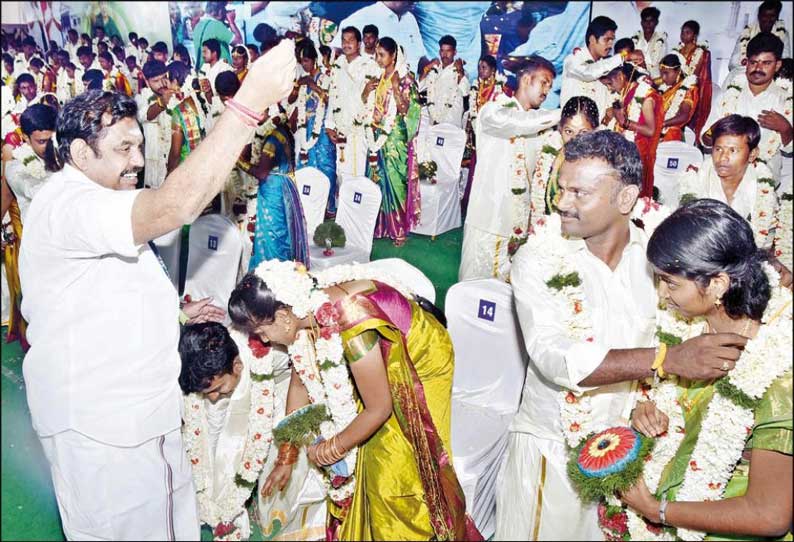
(725, 367)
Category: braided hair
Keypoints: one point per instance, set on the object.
(580, 105)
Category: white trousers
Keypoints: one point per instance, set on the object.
(108, 492)
(535, 500)
(484, 255)
(351, 158)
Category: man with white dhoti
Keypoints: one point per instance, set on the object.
(498, 215)
(349, 74)
(101, 373)
(586, 304)
(446, 83)
(216, 378)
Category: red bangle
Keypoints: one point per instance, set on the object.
(258, 117)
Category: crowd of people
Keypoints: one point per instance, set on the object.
(673, 318)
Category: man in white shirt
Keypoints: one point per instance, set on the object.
(369, 38)
(72, 44)
(611, 347)
(756, 94)
(349, 74)
(768, 21)
(582, 69)
(101, 373)
(132, 47)
(446, 84)
(87, 61)
(498, 213)
(212, 66)
(394, 20)
(653, 44)
(22, 60)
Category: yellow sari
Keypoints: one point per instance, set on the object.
(406, 487)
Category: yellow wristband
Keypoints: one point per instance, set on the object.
(658, 362)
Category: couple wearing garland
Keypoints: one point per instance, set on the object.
(674, 331)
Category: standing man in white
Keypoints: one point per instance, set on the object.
(446, 84)
(101, 374)
(653, 44)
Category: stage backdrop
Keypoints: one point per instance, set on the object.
(720, 23)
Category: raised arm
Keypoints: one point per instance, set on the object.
(506, 122)
(191, 186)
(592, 71)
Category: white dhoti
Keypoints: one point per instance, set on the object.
(106, 492)
(535, 500)
(351, 157)
(484, 255)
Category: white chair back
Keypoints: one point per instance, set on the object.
(170, 247)
(672, 160)
(313, 187)
(408, 275)
(490, 365)
(215, 249)
(359, 205)
(5, 297)
(441, 201)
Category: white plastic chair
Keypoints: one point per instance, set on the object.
(357, 213)
(412, 277)
(313, 187)
(441, 201)
(672, 160)
(490, 365)
(170, 246)
(215, 249)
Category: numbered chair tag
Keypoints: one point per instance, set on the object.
(212, 242)
(487, 310)
(307, 190)
(357, 197)
(672, 163)
(439, 142)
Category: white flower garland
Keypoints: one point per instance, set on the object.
(635, 106)
(689, 66)
(230, 504)
(439, 100)
(387, 122)
(359, 70)
(751, 30)
(729, 104)
(310, 138)
(474, 94)
(656, 45)
(575, 409)
(726, 425)
(783, 230)
(32, 163)
(550, 146)
(678, 98)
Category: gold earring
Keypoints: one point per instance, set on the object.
(718, 302)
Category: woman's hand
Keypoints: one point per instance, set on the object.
(619, 116)
(640, 499)
(277, 479)
(649, 420)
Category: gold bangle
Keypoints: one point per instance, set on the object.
(658, 362)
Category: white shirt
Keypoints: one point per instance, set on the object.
(211, 72)
(622, 305)
(752, 31)
(72, 48)
(23, 185)
(103, 318)
(445, 94)
(157, 137)
(404, 30)
(580, 73)
(349, 78)
(653, 50)
(750, 105)
(490, 204)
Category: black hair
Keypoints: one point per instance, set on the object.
(7, 58)
(213, 46)
(786, 70)
(251, 303)
(771, 5)
(184, 54)
(352, 30)
(132, 36)
(215, 8)
(99, 27)
(36, 61)
(490, 60)
(144, 40)
(388, 44)
(41, 117)
(765, 42)
(264, 32)
(153, 68)
(70, 65)
(29, 42)
(50, 100)
(86, 117)
(207, 350)
(160, 47)
(71, 31)
(672, 61)
(598, 27)
(650, 12)
(63, 53)
(448, 40)
(240, 50)
(325, 51)
(581, 105)
(227, 83)
(25, 78)
(102, 44)
(93, 79)
(624, 43)
(535, 63)
(107, 56)
(737, 125)
(306, 49)
(177, 71)
(269, 44)
(370, 29)
(694, 26)
(84, 50)
(706, 237)
(85, 36)
(621, 155)
(631, 72)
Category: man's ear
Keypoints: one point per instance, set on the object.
(80, 153)
(627, 198)
(753, 155)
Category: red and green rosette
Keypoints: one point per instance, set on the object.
(607, 462)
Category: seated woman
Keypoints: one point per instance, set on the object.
(637, 115)
(579, 115)
(679, 98)
(280, 226)
(391, 424)
(728, 472)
